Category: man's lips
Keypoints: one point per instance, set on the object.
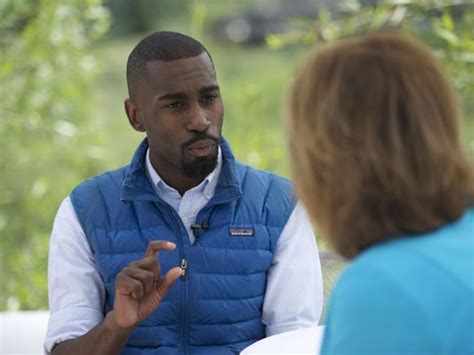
(201, 144)
(201, 148)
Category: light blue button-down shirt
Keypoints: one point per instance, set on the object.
(293, 297)
(188, 205)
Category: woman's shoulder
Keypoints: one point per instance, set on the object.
(443, 254)
(412, 291)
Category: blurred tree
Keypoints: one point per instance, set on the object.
(130, 17)
(447, 26)
(141, 16)
(45, 84)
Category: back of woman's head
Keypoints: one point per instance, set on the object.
(374, 141)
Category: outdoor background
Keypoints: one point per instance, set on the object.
(62, 86)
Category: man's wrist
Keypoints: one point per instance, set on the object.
(111, 324)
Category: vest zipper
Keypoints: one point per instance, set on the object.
(184, 309)
(184, 290)
(184, 265)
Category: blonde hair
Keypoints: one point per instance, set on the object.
(374, 141)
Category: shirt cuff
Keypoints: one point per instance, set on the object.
(70, 323)
(287, 327)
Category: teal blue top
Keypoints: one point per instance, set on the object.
(413, 295)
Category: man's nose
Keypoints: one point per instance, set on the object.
(197, 119)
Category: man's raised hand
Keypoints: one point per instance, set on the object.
(139, 289)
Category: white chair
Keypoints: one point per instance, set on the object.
(302, 342)
(23, 332)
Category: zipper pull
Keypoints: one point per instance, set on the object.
(184, 265)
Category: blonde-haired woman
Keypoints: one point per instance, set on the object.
(377, 160)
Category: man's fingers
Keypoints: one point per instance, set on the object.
(156, 245)
(146, 277)
(125, 285)
(164, 284)
(148, 263)
(172, 275)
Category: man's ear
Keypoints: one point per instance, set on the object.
(133, 115)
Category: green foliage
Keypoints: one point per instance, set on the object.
(447, 26)
(45, 84)
(51, 139)
(140, 16)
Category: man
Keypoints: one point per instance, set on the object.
(237, 260)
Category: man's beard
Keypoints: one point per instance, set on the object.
(202, 166)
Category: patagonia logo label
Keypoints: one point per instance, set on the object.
(241, 232)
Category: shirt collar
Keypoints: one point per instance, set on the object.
(207, 187)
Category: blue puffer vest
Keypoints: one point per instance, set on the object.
(217, 307)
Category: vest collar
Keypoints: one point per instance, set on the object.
(137, 186)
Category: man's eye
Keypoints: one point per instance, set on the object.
(174, 105)
(209, 98)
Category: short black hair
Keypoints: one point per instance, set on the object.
(161, 45)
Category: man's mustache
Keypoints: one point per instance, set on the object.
(198, 137)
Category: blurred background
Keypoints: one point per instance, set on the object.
(62, 86)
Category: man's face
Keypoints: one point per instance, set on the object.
(180, 108)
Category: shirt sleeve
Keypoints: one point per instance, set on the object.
(75, 288)
(294, 292)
